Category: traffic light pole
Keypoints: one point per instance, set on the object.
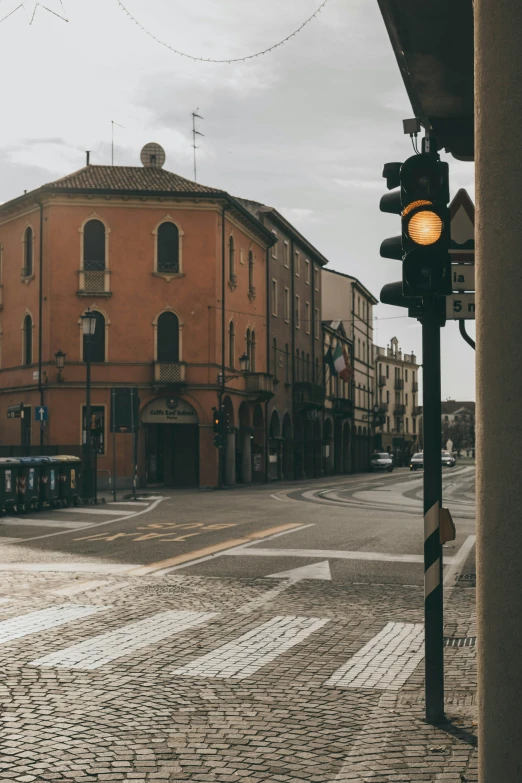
(433, 591)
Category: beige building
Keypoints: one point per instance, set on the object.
(397, 385)
(346, 299)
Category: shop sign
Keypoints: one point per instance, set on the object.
(169, 411)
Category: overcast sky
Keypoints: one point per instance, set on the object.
(305, 128)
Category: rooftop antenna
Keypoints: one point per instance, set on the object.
(194, 134)
(112, 147)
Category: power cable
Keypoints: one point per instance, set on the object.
(210, 59)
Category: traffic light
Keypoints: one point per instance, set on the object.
(217, 420)
(421, 198)
(218, 426)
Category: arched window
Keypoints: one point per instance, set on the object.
(249, 348)
(231, 345)
(168, 248)
(94, 246)
(168, 338)
(28, 253)
(253, 353)
(274, 348)
(96, 347)
(251, 272)
(28, 340)
(231, 261)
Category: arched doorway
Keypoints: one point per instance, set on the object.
(171, 442)
(360, 456)
(328, 460)
(299, 456)
(338, 446)
(318, 449)
(258, 446)
(346, 449)
(365, 450)
(288, 449)
(274, 448)
(308, 446)
(230, 443)
(244, 450)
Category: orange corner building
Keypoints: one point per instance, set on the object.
(176, 273)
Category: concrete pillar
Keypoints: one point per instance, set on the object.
(230, 464)
(246, 457)
(498, 232)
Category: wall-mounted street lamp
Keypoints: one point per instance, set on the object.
(60, 364)
(244, 365)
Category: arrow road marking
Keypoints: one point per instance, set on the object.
(314, 571)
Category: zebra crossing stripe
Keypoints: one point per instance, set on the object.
(243, 657)
(43, 620)
(95, 652)
(386, 662)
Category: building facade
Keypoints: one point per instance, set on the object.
(176, 274)
(346, 299)
(397, 390)
(340, 441)
(458, 426)
(294, 347)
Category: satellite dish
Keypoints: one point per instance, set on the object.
(153, 156)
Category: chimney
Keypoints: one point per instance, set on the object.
(88, 154)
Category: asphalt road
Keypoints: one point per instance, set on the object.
(365, 528)
(258, 634)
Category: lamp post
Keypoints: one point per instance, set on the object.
(88, 329)
(60, 364)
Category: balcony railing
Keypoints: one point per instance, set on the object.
(383, 406)
(382, 380)
(342, 406)
(169, 373)
(417, 411)
(415, 387)
(94, 281)
(399, 383)
(309, 394)
(259, 383)
(399, 410)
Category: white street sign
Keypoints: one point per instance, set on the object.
(460, 306)
(463, 277)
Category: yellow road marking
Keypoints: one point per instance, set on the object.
(210, 550)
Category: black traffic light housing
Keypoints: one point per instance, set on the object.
(218, 424)
(421, 197)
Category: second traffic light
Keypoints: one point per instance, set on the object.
(421, 198)
(218, 423)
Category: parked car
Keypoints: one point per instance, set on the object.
(448, 460)
(381, 461)
(417, 461)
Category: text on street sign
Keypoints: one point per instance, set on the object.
(460, 306)
(463, 277)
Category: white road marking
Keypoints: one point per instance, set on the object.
(450, 577)
(43, 620)
(82, 568)
(314, 571)
(95, 511)
(79, 588)
(127, 503)
(327, 554)
(276, 497)
(386, 662)
(42, 522)
(245, 656)
(110, 646)
(5, 540)
(92, 524)
(232, 550)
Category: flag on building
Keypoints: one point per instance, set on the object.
(347, 373)
(339, 362)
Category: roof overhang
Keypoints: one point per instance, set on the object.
(433, 44)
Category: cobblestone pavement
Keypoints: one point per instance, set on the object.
(181, 677)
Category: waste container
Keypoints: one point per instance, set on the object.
(29, 483)
(50, 482)
(70, 479)
(9, 470)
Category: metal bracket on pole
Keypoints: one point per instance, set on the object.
(465, 335)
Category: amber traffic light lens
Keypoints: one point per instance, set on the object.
(425, 227)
